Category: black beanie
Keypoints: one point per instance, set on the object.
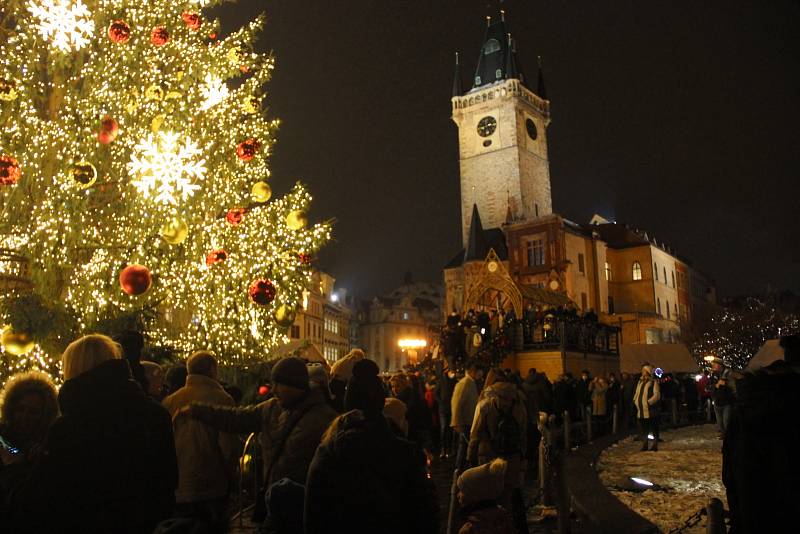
(365, 389)
(292, 372)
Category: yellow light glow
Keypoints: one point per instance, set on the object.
(412, 343)
(214, 92)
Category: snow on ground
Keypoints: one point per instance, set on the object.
(688, 465)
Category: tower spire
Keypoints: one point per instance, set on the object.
(458, 88)
(540, 87)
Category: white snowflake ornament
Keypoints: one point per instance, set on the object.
(67, 24)
(166, 167)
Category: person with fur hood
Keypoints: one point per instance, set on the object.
(341, 371)
(479, 489)
(29, 406)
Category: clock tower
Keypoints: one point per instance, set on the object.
(502, 137)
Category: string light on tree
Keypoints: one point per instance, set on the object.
(166, 167)
(67, 24)
(214, 91)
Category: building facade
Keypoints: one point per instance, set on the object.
(397, 329)
(325, 318)
(517, 253)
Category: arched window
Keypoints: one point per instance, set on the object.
(658, 305)
(637, 270)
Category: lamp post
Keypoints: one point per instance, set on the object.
(411, 346)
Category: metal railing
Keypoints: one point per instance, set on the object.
(253, 460)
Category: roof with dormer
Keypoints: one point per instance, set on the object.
(498, 59)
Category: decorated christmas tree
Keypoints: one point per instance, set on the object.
(134, 183)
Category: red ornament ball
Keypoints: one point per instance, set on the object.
(263, 390)
(192, 20)
(9, 170)
(262, 292)
(305, 259)
(247, 149)
(109, 128)
(159, 36)
(119, 32)
(135, 279)
(216, 256)
(235, 216)
(212, 36)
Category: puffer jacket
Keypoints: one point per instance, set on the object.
(364, 479)
(205, 455)
(109, 461)
(305, 424)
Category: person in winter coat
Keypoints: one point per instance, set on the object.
(626, 398)
(341, 371)
(205, 455)
(500, 431)
(290, 425)
(444, 397)
(109, 461)
(598, 390)
(28, 406)
(646, 398)
(365, 479)
(760, 465)
(582, 393)
(463, 403)
(419, 419)
(479, 490)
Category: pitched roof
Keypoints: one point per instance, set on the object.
(498, 59)
(477, 247)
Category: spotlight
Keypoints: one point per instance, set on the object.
(643, 482)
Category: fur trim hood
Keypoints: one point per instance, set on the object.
(20, 385)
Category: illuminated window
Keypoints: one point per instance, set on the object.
(406, 316)
(637, 270)
(608, 272)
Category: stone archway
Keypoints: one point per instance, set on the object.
(493, 285)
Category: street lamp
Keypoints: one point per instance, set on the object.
(410, 347)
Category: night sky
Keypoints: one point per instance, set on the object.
(678, 117)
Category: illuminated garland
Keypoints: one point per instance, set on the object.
(129, 147)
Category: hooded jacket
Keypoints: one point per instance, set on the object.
(17, 387)
(364, 479)
(481, 449)
(109, 461)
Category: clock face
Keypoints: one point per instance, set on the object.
(530, 126)
(492, 266)
(487, 126)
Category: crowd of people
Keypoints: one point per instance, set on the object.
(123, 446)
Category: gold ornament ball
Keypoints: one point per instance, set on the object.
(252, 105)
(296, 220)
(84, 174)
(261, 192)
(154, 92)
(284, 316)
(7, 90)
(235, 55)
(175, 231)
(16, 343)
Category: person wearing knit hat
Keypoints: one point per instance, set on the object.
(340, 373)
(291, 424)
(363, 473)
(646, 398)
(364, 389)
(479, 489)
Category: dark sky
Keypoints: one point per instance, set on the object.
(679, 117)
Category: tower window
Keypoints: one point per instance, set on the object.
(491, 46)
(637, 270)
(477, 82)
(498, 74)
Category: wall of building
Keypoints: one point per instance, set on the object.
(631, 295)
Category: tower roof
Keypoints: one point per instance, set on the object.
(498, 59)
(477, 248)
(458, 87)
(541, 91)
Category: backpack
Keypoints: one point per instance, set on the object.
(507, 439)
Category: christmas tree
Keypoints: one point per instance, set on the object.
(134, 183)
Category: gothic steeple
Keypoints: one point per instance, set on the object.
(477, 248)
(541, 91)
(458, 88)
(498, 59)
